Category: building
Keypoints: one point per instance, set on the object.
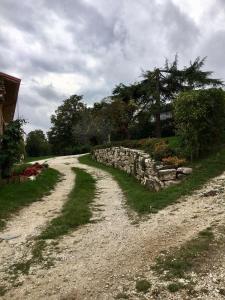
(9, 89)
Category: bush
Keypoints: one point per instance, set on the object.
(161, 149)
(200, 120)
(11, 147)
(174, 161)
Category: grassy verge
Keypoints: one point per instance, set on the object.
(143, 201)
(179, 264)
(76, 211)
(16, 195)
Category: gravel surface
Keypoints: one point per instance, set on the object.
(103, 259)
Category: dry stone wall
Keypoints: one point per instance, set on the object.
(153, 175)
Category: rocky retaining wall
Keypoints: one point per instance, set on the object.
(153, 175)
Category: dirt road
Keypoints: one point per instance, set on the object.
(103, 259)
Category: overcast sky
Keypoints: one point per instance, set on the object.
(64, 47)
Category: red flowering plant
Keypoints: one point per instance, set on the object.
(33, 170)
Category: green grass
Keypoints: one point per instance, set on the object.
(144, 201)
(76, 211)
(185, 259)
(30, 159)
(14, 196)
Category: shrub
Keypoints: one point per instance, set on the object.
(174, 161)
(11, 147)
(200, 120)
(161, 149)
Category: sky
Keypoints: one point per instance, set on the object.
(86, 47)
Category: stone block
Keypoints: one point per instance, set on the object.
(168, 174)
(185, 170)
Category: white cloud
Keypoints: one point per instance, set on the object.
(59, 48)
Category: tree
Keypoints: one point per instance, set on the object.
(200, 120)
(124, 107)
(162, 85)
(11, 146)
(103, 120)
(37, 144)
(63, 121)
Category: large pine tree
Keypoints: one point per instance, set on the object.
(162, 85)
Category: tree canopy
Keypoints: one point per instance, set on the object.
(37, 144)
(131, 111)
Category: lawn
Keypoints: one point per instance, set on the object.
(14, 196)
(144, 201)
(76, 211)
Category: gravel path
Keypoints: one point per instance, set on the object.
(106, 257)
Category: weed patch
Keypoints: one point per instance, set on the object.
(143, 286)
(175, 287)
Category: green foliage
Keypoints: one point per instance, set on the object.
(143, 201)
(73, 150)
(76, 211)
(162, 85)
(200, 120)
(143, 286)
(19, 168)
(14, 196)
(132, 111)
(11, 147)
(37, 144)
(63, 121)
